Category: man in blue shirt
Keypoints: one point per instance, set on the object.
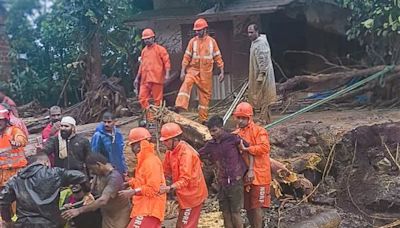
(108, 141)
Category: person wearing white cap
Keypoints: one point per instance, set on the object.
(70, 150)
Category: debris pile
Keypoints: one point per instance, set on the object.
(108, 96)
(303, 90)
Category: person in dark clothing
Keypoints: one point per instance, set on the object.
(223, 149)
(36, 192)
(70, 149)
(90, 219)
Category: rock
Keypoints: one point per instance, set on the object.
(312, 141)
(301, 145)
(307, 134)
(300, 138)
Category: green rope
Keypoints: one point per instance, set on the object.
(333, 96)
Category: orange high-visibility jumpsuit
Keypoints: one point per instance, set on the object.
(258, 139)
(155, 63)
(11, 159)
(149, 176)
(199, 59)
(184, 165)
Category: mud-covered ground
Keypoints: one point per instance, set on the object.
(362, 187)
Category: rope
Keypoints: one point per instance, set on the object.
(381, 74)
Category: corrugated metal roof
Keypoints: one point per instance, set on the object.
(240, 7)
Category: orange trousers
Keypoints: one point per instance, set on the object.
(147, 91)
(204, 90)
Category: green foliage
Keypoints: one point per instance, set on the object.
(376, 24)
(57, 40)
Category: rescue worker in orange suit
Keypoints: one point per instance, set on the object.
(12, 143)
(257, 193)
(183, 164)
(197, 68)
(154, 69)
(148, 206)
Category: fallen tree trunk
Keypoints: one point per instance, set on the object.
(36, 125)
(325, 219)
(324, 82)
(193, 132)
(381, 92)
(375, 91)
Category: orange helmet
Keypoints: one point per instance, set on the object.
(138, 134)
(244, 109)
(170, 130)
(200, 24)
(147, 33)
(4, 113)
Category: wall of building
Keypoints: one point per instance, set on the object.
(169, 35)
